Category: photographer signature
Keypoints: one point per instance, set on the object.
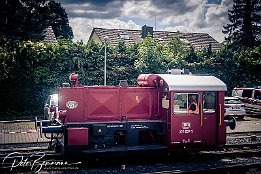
(34, 161)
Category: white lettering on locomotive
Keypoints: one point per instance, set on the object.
(186, 141)
(186, 131)
(114, 126)
(135, 126)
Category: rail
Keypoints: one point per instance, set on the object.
(222, 169)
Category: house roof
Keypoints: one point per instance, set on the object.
(49, 35)
(198, 41)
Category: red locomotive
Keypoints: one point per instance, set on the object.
(164, 111)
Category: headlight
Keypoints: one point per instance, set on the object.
(54, 99)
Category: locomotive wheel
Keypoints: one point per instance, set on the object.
(233, 125)
(58, 148)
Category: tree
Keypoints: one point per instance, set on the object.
(121, 64)
(58, 19)
(150, 56)
(93, 55)
(244, 28)
(27, 19)
(177, 54)
(20, 20)
(39, 68)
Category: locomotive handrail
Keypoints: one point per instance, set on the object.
(167, 119)
(41, 130)
(220, 114)
(201, 115)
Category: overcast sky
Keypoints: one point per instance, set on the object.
(205, 16)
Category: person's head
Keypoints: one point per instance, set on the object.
(193, 97)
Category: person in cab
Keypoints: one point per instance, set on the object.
(193, 104)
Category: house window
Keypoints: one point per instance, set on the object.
(124, 36)
(186, 103)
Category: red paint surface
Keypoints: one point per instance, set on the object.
(109, 103)
(210, 133)
(77, 136)
(72, 94)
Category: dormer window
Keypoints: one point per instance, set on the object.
(124, 36)
(184, 40)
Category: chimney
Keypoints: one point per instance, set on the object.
(145, 30)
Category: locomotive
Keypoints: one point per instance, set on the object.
(163, 112)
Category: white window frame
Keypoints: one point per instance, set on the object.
(175, 112)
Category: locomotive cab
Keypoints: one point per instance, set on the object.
(192, 108)
(196, 112)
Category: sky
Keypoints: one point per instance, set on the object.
(188, 16)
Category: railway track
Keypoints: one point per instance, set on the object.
(243, 138)
(240, 145)
(23, 147)
(236, 168)
(223, 157)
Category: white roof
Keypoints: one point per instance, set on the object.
(193, 83)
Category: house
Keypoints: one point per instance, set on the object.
(198, 41)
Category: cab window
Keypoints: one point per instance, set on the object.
(209, 102)
(186, 103)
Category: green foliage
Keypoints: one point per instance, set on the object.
(30, 71)
(56, 17)
(250, 66)
(178, 54)
(244, 28)
(236, 69)
(92, 64)
(27, 20)
(121, 64)
(150, 58)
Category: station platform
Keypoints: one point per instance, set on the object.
(19, 132)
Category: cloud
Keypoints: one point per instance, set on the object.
(192, 19)
(93, 9)
(95, 2)
(219, 12)
(147, 9)
(203, 18)
(216, 18)
(208, 16)
(175, 7)
(140, 9)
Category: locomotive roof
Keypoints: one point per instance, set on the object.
(193, 83)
